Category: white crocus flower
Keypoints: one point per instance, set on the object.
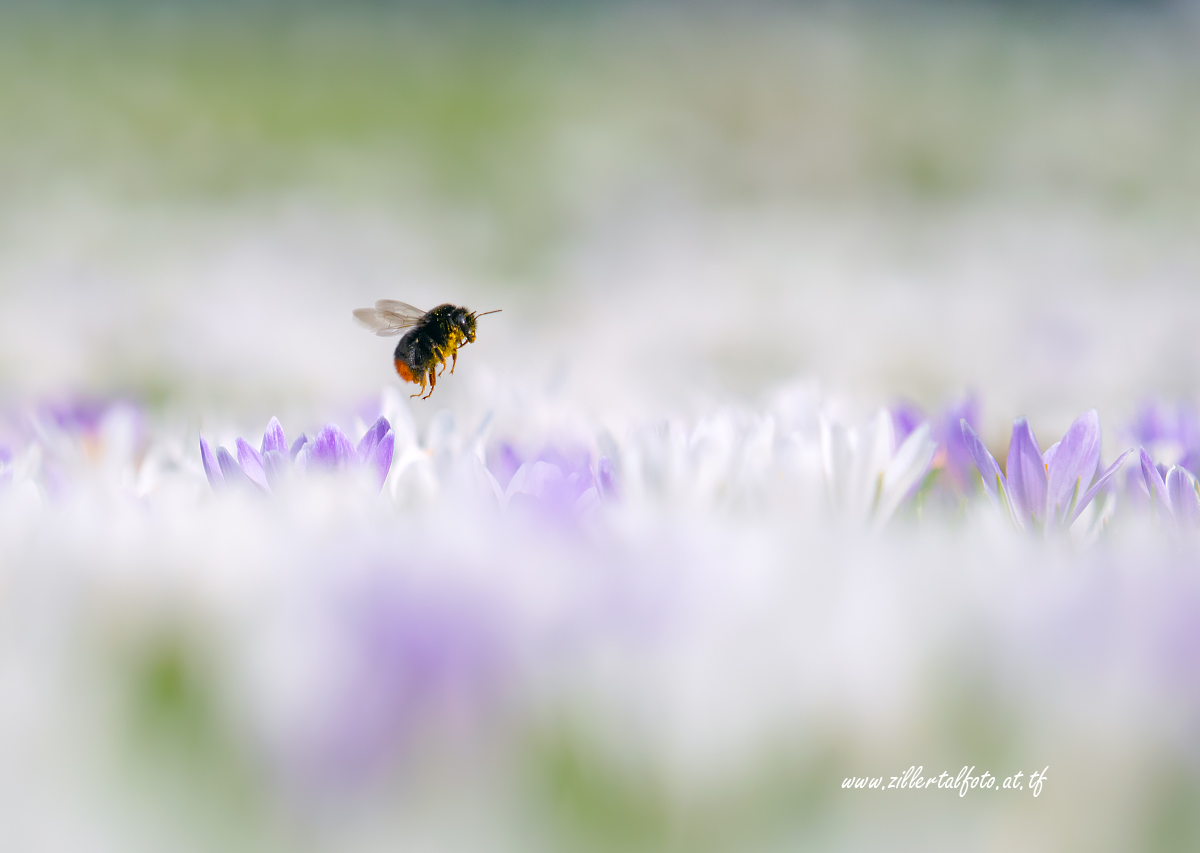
(866, 475)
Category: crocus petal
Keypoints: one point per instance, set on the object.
(297, 445)
(907, 468)
(251, 464)
(836, 456)
(984, 461)
(1185, 501)
(1027, 484)
(1097, 486)
(878, 439)
(275, 466)
(371, 438)
(947, 432)
(1073, 464)
(381, 456)
(273, 438)
(906, 417)
(332, 449)
(230, 470)
(1154, 481)
(212, 469)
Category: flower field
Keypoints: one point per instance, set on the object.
(828, 477)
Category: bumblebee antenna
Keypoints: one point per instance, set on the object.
(485, 313)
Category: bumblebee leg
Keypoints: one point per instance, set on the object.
(454, 363)
(422, 391)
(432, 384)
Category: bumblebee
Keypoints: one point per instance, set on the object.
(433, 337)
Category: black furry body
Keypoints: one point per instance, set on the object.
(436, 337)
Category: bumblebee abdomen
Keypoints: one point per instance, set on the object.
(405, 372)
(413, 355)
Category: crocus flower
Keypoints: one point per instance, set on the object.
(866, 474)
(1177, 495)
(554, 481)
(952, 458)
(906, 417)
(331, 450)
(81, 439)
(415, 659)
(1045, 491)
(1170, 435)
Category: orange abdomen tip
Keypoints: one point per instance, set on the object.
(404, 372)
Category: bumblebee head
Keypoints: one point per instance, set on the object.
(465, 321)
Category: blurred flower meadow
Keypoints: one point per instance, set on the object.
(839, 428)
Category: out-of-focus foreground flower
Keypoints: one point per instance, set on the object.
(952, 461)
(652, 633)
(867, 475)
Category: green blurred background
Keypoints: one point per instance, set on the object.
(905, 170)
(522, 114)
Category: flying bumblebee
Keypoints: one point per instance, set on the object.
(433, 337)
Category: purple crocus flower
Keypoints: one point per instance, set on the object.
(952, 458)
(331, 450)
(1170, 434)
(82, 415)
(416, 659)
(906, 417)
(1045, 491)
(556, 481)
(1177, 494)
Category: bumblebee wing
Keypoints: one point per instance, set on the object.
(389, 317)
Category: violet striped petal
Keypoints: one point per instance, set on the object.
(371, 438)
(1099, 484)
(984, 461)
(1073, 464)
(251, 463)
(230, 470)
(212, 469)
(297, 445)
(1154, 482)
(275, 465)
(381, 456)
(1027, 483)
(273, 438)
(1185, 501)
(331, 449)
